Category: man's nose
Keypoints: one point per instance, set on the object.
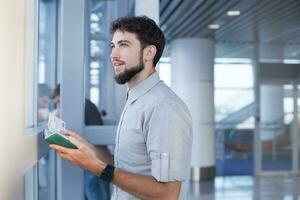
(114, 53)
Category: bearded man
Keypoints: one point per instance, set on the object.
(154, 135)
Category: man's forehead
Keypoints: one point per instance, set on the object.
(123, 35)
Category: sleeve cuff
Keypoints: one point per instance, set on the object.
(165, 169)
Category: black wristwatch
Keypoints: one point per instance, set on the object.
(108, 173)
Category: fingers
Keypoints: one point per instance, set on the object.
(65, 156)
(63, 152)
(61, 149)
(76, 142)
(69, 133)
(81, 156)
(57, 147)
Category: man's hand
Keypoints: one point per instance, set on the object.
(85, 156)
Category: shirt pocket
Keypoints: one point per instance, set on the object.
(132, 142)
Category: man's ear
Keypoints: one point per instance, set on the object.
(149, 53)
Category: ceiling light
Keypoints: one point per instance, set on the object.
(214, 26)
(233, 13)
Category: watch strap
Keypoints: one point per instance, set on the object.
(107, 173)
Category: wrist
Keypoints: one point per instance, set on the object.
(108, 173)
(98, 167)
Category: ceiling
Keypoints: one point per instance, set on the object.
(270, 22)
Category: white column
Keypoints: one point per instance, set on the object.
(192, 61)
(150, 8)
(271, 106)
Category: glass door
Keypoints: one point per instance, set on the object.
(278, 130)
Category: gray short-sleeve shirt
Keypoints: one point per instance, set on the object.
(154, 136)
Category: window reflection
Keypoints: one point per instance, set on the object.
(46, 81)
(97, 51)
(164, 70)
(46, 57)
(234, 122)
(46, 177)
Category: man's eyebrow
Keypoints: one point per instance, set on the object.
(124, 41)
(121, 41)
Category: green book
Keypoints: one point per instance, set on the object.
(59, 139)
(52, 135)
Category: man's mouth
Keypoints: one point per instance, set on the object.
(118, 65)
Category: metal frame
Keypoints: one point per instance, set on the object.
(256, 70)
(295, 136)
(31, 64)
(33, 128)
(258, 171)
(295, 146)
(71, 63)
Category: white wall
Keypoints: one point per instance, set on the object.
(17, 150)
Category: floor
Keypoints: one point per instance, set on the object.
(247, 188)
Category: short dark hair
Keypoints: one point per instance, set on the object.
(148, 33)
(56, 91)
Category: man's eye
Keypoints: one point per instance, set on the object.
(124, 44)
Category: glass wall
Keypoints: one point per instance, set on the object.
(46, 177)
(97, 49)
(47, 68)
(46, 82)
(98, 62)
(276, 127)
(164, 70)
(234, 97)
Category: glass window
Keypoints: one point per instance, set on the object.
(164, 70)
(31, 184)
(242, 73)
(46, 177)
(97, 50)
(40, 179)
(98, 90)
(46, 69)
(234, 103)
(233, 88)
(45, 81)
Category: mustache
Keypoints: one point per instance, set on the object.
(119, 61)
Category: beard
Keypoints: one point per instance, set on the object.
(128, 74)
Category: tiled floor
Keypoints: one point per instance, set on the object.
(247, 188)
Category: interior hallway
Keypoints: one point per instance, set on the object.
(247, 188)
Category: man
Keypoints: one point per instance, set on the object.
(154, 136)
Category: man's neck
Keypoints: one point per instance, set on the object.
(143, 75)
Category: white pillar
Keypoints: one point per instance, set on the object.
(150, 8)
(271, 103)
(192, 61)
(271, 106)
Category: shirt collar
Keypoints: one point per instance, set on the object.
(142, 87)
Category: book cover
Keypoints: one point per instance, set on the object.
(52, 135)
